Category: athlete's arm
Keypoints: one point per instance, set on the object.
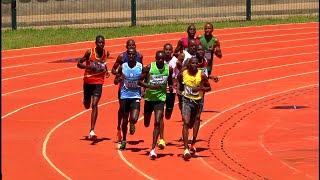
(143, 77)
(83, 59)
(205, 85)
(217, 50)
(179, 48)
(141, 58)
(118, 77)
(117, 64)
(170, 80)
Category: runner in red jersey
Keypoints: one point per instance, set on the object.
(95, 66)
(183, 42)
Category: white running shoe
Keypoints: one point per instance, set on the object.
(153, 154)
(92, 135)
(186, 154)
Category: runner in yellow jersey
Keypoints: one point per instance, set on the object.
(195, 83)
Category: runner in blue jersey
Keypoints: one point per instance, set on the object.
(122, 58)
(128, 76)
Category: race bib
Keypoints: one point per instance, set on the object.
(188, 91)
(158, 80)
(99, 66)
(130, 83)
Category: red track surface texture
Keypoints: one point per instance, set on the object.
(260, 120)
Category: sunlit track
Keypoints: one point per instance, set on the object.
(237, 29)
(283, 63)
(221, 36)
(141, 43)
(228, 47)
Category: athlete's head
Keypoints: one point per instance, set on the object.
(100, 42)
(131, 53)
(160, 58)
(192, 64)
(208, 29)
(192, 46)
(131, 44)
(168, 49)
(191, 30)
(200, 51)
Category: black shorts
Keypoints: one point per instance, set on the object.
(170, 99)
(150, 106)
(128, 104)
(90, 90)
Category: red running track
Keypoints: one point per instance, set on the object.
(260, 120)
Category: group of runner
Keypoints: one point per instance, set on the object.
(183, 72)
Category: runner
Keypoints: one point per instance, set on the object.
(183, 42)
(130, 93)
(122, 58)
(176, 65)
(195, 83)
(94, 63)
(155, 78)
(211, 45)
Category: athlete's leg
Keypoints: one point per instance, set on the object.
(158, 125)
(94, 113)
(134, 114)
(186, 115)
(148, 109)
(170, 99)
(125, 108)
(87, 93)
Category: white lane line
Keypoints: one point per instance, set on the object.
(241, 104)
(160, 34)
(44, 146)
(162, 40)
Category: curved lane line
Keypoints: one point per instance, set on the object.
(241, 104)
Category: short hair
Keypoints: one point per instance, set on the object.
(209, 23)
(99, 37)
(190, 27)
(167, 44)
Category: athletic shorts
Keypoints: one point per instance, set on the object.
(126, 105)
(150, 106)
(192, 107)
(170, 99)
(90, 90)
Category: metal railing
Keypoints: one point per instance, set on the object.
(111, 13)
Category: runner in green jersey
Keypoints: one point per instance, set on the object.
(155, 78)
(211, 45)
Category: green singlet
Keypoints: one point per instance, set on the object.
(157, 77)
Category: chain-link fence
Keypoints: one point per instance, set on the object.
(111, 13)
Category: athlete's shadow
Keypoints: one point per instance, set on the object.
(135, 142)
(210, 111)
(135, 149)
(94, 141)
(159, 155)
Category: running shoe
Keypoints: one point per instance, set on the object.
(123, 145)
(132, 128)
(92, 135)
(161, 144)
(193, 149)
(186, 154)
(119, 137)
(153, 154)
